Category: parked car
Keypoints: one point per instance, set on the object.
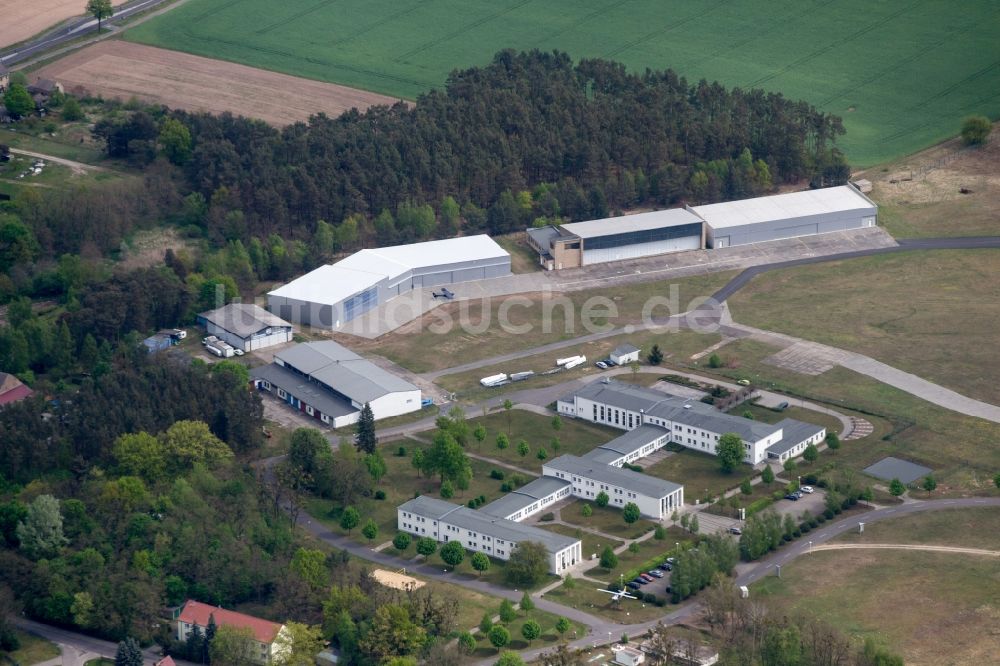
(666, 566)
(798, 494)
(602, 365)
(671, 560)
(646, 577)
(792, 496)
(655, 573)
(744, 382)
(639, 580)
(238, 351)
(808, 490)
(735, 530)
(782, 406)
(632, 585)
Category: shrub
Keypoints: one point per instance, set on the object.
(975, 130)
(548, 517)
(659, 533)
(649, 598)
(401, 451)
(633, 547)
(586, 511)
(471, 504)
(380, 494)
(497, 474)
(804, 527)
(506, 487)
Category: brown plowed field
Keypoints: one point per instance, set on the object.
(122, 69)
(22, 19)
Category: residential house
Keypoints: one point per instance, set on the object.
(265, 633)
(12, 390)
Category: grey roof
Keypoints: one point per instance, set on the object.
(793, 433)
(650, 486)
(243, 319)
(626, 348)
(891, 468)
(343, 371)
(308, 392)
(524, 496)
(609, 226)
(542, 236)
(786, 206)
(477, 521)
(631, 441)
(684, 411)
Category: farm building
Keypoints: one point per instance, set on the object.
(684, 421)
(617, 238)
(331, 383)
(246, 326)
(624, 354)
(333, 295)
(786, 216)
(443, 521)
(12, 390)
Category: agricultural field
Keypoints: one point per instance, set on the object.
(930, 313)
(932, 608)
(116, 69)
(902, 75)
(23, 20)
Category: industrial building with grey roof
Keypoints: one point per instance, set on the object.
(331, 383)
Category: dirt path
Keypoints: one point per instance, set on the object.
(77, 167)
(908, 546)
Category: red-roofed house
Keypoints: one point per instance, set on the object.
(11, 389)
(166, 661)
(265, 633)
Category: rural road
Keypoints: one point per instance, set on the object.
(72, 29)
(78, 648)
(77, 167)
(907, 546)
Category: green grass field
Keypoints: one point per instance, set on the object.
(931, 313)
(933, 608)
(901, 74)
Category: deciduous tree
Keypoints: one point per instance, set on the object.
(41, 531)
(298, 645)
(452, 553)
(499, 636)
(631, 513)
(349, 519)
(602, 499)
(608, 558)
(975, 130)
(480, 562)
(729, 451)
(531, 630)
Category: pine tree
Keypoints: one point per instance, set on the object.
(129, 653)
(209, 635)
(365, 439)
(655, 355)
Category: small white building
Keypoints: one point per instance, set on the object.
(796, 436)
(479, 532)
(629, 656)
(246, 326)
(331, 383)
(625, 354)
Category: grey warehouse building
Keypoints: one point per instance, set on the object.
(617, 238)
(786, 216)
(333, 295)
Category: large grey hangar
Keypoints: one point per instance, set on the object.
(786, 216)
(333, 295)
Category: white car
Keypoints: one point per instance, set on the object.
(602, 365)
(808, 490)
(237, 351)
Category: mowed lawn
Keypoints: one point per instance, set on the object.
(467, 331)
(902, 75)
(933, 608)
(930, 313)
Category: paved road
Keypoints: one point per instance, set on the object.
(78, 648)
(71, 30)
(907, 546)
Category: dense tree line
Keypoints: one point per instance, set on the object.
(76, 430)
(600, 137)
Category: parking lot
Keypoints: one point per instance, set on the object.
(814, 504)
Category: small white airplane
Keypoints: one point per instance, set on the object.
(617, 596)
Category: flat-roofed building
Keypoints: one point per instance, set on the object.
(786, 216)
(529, 499)
(656, 498)
(478, 531)
(333, 295)
(618, 238)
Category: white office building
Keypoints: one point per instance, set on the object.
(656, 498)
(478, 531)
(687, 422)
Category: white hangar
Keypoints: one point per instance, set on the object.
(333, 295)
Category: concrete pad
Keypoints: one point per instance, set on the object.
(805, 358)
(891, 468)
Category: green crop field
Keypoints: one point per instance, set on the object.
(902, 74)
